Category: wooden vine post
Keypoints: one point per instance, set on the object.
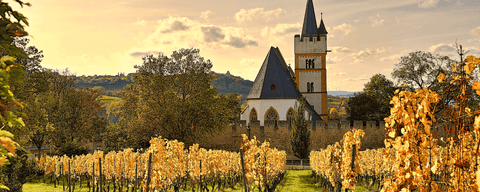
(100, 173)
(93, 176)
(149, 169)
(243, 170)
(69, 176)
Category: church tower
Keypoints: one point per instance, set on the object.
(310, 49)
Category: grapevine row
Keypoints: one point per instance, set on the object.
(170, 167)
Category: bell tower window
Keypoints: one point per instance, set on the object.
(308, 87)
(311, 87)
(313, 63)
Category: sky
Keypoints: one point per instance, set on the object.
(366, 37)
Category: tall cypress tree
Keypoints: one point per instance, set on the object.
(300, 131)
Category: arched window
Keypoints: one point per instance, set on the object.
(309, 63)
(253, 115)
(308, 87)
(272, 88)
(313, 63)
(272, 115)
(290, 116)
(311, 87)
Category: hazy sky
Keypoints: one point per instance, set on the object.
(366, 36)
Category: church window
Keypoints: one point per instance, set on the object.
(272, 115)
(290, 116)
(313, 63)
(272, 88)
(309, 63)
(311, 87)
(253, 115)
(308, 87)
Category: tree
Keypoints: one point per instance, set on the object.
(300, 131)
(172, 97)
(382, 90)
(420, 70)
(74, 112)
(363, 106)
(10, 71)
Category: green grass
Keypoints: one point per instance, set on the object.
(294, 181)
(108, 99)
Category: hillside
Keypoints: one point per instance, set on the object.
(225, 83)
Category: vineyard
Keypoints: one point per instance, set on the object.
(412, 159)
(168, 166)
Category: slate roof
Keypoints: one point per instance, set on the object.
(322, 29)
(274, 71)
(309, 21)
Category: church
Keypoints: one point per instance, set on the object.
(277, 87)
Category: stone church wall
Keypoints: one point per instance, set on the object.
(322, 135)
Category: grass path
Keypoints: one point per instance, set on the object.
(298, 181)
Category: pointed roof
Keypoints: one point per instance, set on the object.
(322, 29)
(309, 22)
(274, 71)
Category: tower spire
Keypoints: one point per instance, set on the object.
(309, 21)
(321, 28)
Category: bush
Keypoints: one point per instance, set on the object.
(18, 171)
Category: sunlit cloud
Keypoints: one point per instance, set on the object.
(281, 29)
(333, 60)
(377, 20)
(340, 49)
(345, 29)
(428, 4)
(140, 22)
(206, 14)
(475, 32)
(366, 54)
(177, 32)
(444, 49)
(257, 14)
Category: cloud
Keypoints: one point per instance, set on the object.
(281, 29)
(333, 60)
(340, 49)
(247, 62)
(206, 14)
(338, 74)
(191, 33)
(428, 4)
(475, 32)
(344, 28)
(174, 24)
(212, 33)
(366, 54)
(257, 14)
(376, 21)
(391, 57)
(444, 49)
(236, 37)
(140, 22)
(85, 56)
(139, 54)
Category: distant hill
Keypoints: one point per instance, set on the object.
(341, 93)
(226, 83)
